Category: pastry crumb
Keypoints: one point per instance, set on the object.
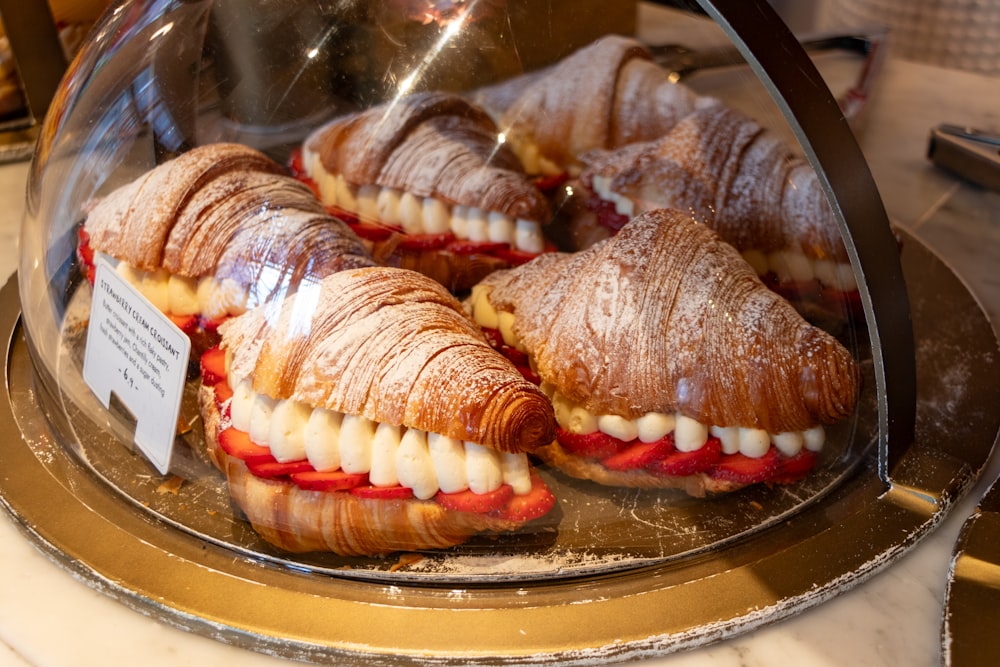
(170, 485)
(405, 560)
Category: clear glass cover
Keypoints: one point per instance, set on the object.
(252, 168)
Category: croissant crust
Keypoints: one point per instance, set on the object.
(297, 520)
(223, 210)
(431, 145)
(731, 173)
(395, 347)
(666, 317)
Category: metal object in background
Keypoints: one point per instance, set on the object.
(972, 154)
(40, 61)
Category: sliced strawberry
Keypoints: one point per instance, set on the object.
(550, 182)
(295, 165)
(596, 445)
(679, 464)
(223, 392)
(370, 231)
(493, 337)
(273, 468)
(333, 480)
(424, 242)
(186, 323)
(480, 503)
(212, 325)
(606, 213)
(744, 469)
(529, 375)
(237, 443)
(476, 247)
(343, 215)
(213, 366)
(537, 502)
(637, 454)
(514, 355)
(84, 248)
(514, 256)
(793, 468)
(382, 492)
(91, 274)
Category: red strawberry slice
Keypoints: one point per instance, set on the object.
(368, 231)
(84, 248)
(480, 503)
(271, 469)
(794, 468)
(537, 502)
(594, 445)
(213, 366)
(637, 455)
(186, 323)
(744, 469)
(530, 375)
(295, 166)
(476, 247)
(424, 242)
(212, 325)
(514, 355)
(223, 392)
(550, 182)
(91, 274)
(333, 480)
(679, 464)
(237, 443)
(382, 492)
(493, 337)
(515, 256)
(606, 213)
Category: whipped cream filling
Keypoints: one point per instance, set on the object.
(531, 157)
(422, 215)
(180, 295)
(391, 455)
(689, 434)
(789, 264)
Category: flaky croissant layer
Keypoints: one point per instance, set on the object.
(394, 347)
(665, 317)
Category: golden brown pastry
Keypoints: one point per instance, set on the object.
(668, 362)
(741, 180)
(607, 94)
(426, 181)
(369, 416)
(215, 231)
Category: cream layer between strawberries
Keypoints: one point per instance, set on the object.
(391, 455)
(789, 264)
(181, 295)
(689, 434)
(422, 215)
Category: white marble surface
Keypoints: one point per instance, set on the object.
(47, 618)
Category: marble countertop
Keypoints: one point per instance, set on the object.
(48, 618)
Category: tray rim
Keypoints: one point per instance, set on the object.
(639, 613)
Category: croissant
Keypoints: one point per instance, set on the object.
(369, 415)
(426, 173)
(668, 362)
(214, 231)
(607, 94)
(740, 179)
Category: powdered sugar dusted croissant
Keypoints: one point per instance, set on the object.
(370, 415)
(214, 231)
(740, 179)
(607, 94)
(428, 172)
(668, 361)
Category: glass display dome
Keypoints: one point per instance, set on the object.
(430, 305)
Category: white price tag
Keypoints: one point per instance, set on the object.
(136, 352)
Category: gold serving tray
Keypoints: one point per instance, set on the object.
(692, 577)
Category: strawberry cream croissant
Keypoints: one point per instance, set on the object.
(369, 416)
(668, 362)
(213, 232)
(741, 180)
(607, 94)
(428, 182)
